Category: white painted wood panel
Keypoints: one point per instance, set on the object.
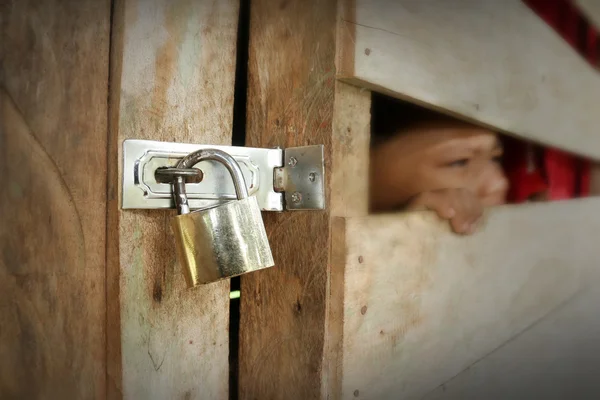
(557, 358)
(492, 62)
(421, 304)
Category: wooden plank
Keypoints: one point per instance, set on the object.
(591, 9)
(53, 130)
(173, 78)
(349, 198)
(293, 100)
(557, 358)
(421, 304)
(290, 103)
(350, 151)
(494, 63)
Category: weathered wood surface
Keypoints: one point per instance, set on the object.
(173, 71)
(421, 304)
(351, 143)
(53, 132)
(557, 358)
(349, 198)
(492, 62)
(290, 103)
(293, 100)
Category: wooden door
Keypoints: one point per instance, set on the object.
(93, 304)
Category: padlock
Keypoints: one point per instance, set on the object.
(222, 241)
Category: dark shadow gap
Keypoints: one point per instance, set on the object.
(238, 139)
(241, 76)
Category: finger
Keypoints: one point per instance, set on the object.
(463, 220)
(474, 226)
(469, 211)
(472, 222)
(445, 211)
(470, 207)
(441, 204)
(459, 225)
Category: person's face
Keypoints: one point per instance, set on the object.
(437, 155)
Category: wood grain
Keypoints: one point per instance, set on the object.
(173, 79)
(293, 100)
(493, 63)
(290, 103)
(53, 130)
(349, 198)
(421, 304)
(350, 151)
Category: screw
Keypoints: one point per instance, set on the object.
(312, 176)
(292, 163)
(296, 197)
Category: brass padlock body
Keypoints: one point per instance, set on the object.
(222, 242)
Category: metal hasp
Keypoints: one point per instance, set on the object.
(281, 179)
(302, 178)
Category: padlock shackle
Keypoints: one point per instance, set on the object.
(203, 155)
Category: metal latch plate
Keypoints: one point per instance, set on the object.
(302, 178)
(303, 188)
(141, 158)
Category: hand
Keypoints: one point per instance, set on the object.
(460, 206)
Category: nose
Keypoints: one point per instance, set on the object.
(493, 186)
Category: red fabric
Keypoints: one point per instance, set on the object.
(523, 170)
(559, 174)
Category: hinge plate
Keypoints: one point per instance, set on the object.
(302, 178)
(261, 167)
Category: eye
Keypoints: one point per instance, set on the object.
(458, 163)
